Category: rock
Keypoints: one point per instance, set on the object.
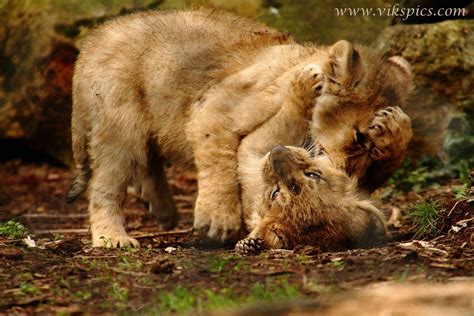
(318, 20)
(38, 46)
(442, 57)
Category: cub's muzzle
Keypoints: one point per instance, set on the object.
(284, 167)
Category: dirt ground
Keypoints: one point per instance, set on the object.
(62, 274)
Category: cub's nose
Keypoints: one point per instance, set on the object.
(284, 167)
(279, 153)
(281, 160)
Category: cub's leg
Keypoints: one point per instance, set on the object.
(114, 156)
(156, 192)
(218, 209)
(390, 131)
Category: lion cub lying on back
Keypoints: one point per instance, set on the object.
(306, 200)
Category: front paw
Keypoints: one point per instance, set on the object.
(390, 131)
(114, 241)
(220, 225)
(250, 246)
(307, 85)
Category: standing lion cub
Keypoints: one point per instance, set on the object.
(195, 87)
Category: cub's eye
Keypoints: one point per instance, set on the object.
(313, 175)
(275, 193)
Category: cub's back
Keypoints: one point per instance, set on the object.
(199, 41)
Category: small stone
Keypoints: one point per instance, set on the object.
(170, 250)
(29, 242)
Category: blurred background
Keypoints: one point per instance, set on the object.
(55, 271)
(40, 39)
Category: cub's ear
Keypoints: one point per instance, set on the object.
(403, 74)
(402, 66)
(343, 66)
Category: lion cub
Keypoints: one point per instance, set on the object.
(192, 86)
(306, 200)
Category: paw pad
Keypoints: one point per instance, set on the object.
(249, 246)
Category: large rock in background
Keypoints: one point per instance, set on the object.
(318, 21)
(442, 57)
(38, 47)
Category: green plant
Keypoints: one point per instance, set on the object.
(338, 263)
(127, 264)
(416, 175)
(28, 289)
(270, 292)
(217, 265)
(12, 229)
(461, 192)
(224, 298)
(82, 295)
(302, 259)
(425, 216)
(428, 171)
(178, 300)
(118, 293)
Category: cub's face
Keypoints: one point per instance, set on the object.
(302, 193)
(358, 83)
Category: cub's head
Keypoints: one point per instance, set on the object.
(358, 83)
(307, 200)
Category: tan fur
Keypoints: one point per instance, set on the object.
(191, 87)
(307, 200)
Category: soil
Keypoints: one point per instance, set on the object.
(63, 274)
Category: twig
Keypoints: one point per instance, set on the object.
(188, 231)
(95, 257)
(270, 273)
(10, 241)
(62, 231)
(456, 204)
(51, 215)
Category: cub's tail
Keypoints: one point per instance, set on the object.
(78, 186)
(80, 129)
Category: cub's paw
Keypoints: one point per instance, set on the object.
(219, 226)
(116, 241)
(307, 85)
(250, 246)
(390, 131)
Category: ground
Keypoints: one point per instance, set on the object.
(62, 274)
